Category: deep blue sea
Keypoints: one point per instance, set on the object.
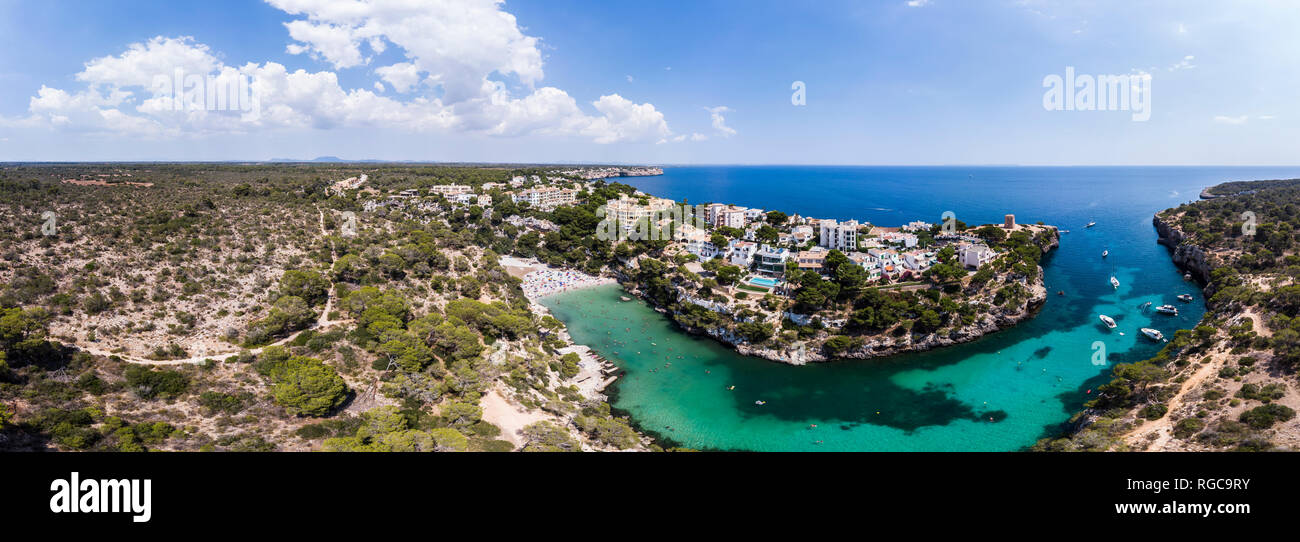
(1002, 392)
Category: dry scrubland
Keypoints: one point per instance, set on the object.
(225, 307)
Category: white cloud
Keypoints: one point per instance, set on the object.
(402, 76)
(720, 122)
(1184, 64)
(917, 3)
(624, 120)
(1224, 119)
(465, 65)
(142, 62)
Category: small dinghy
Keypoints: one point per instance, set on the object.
(1110, 322)
(1114, 282)
(760, 403)
(1105, 253)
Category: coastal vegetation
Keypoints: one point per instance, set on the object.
(1230, 383)
(253, 307)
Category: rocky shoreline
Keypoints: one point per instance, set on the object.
(1189, 257)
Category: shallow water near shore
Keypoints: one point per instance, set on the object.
(1002, 392)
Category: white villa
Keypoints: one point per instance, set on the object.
(741, 253)
(908, 240)
(771, 260)
(975, 255)
(802, 234)
(697, 241)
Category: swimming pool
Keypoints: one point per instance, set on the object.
(764, 281)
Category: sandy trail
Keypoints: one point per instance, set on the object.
(1163, 428)
(510, 418)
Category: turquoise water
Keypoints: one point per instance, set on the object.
(763, 281)
(1002, 392)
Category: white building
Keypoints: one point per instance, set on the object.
(741, 253)
(839, 236)
(699, 243)
(753, 214)
(771, 261)
(802, 234)
(917, 261)
(731, 217)
(449, 190)
(975, 255)
(908, 240)
(546, 197)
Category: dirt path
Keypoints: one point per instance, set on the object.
(1163, 428)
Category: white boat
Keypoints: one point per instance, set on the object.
(1105, 253)
(1110, 322)
(760, 403)
(1153, 334)
(1167, 309)
(1186, 298)
(1114, 282)
(1091, 224)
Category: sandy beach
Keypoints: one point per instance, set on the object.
(541, 280)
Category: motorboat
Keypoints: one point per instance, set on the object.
(1091, 224)
(1185, 298)
(1105, 253)
(1114, 282)
(1110, 322)
(1153, 334)
(760, 403)
(1167, 309)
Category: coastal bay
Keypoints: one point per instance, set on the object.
(1002, 392)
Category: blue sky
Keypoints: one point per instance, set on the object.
(888, 82)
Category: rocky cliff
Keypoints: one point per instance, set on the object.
(1187, 256)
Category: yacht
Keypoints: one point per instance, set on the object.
(1110, 322)
(1167, 309)
(1153, 334)
(1185, 298)
(1114, 282)
(1091, 224)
